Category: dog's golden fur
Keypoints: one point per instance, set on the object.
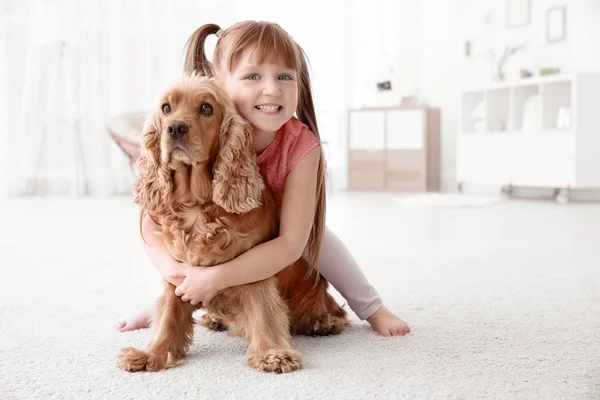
(203, 187)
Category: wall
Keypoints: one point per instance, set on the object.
(445, 71)
(440, 62)
(4, 142)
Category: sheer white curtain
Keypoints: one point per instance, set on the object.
(126, 51)
(4, 144)
(121, 54)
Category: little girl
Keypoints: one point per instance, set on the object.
(266, 74)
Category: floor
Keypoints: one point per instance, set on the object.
(503, 298)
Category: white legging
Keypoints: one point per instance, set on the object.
(338, 266)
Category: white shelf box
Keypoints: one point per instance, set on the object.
(543, 149)
(557, 102)
(497, 110)
(523, 95)
(473, 112)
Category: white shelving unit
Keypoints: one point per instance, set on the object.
(510, 134)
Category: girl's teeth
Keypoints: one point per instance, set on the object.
(268, 108)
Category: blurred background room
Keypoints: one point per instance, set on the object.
(463, 153)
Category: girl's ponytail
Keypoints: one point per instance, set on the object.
(195, 57)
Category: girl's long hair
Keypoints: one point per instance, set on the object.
(269, 42)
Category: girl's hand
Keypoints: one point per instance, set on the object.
(200, 284)
(174, 273)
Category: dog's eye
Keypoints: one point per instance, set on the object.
(166, 108)
(206, 109)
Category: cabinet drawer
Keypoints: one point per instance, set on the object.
(366, 169)
(406, 170)
(405, 159)
(406, 180)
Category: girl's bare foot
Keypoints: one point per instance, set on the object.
(387, 324)
(139, 321)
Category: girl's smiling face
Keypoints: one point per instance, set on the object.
(266, 94)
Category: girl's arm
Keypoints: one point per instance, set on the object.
(297, 216)
(155, 249)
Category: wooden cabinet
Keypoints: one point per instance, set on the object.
(394, 149)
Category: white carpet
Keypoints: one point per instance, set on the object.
(447, 200)
(503, 302)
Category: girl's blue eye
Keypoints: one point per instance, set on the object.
(285, 77)
(252, 77)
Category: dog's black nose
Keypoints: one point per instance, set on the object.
(177, 129)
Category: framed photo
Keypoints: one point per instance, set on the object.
(556, 24)
(518, 13)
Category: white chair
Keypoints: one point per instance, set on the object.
(126, 131)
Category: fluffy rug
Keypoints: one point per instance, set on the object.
(503, 302)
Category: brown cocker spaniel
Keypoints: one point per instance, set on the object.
(198, 179)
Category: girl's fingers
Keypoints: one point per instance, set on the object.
(177, 274)
(179, 290)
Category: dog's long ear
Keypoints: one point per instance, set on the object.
(237, 183)
(152, 185)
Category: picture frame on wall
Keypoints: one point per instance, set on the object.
(518, 13)
(556, 24)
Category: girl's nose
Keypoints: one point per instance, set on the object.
(271, 87)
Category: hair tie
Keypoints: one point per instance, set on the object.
(219, 33)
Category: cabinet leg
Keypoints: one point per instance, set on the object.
(508, 190)
(562, 196)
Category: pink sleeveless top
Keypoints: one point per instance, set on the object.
(292, 142)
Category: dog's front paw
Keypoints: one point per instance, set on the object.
(278, 361)
(134, 360)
